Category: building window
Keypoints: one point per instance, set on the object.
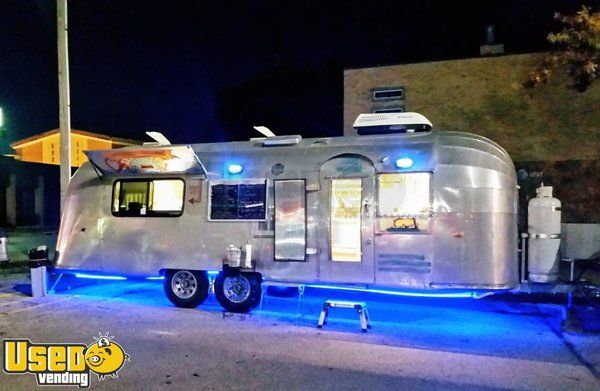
(237, 200)
(148, 197)
(388, 93)
(392, 109)
(404, 202)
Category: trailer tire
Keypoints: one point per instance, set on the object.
(186, 288)
(238, 292)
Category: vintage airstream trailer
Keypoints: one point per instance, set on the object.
(398, 206)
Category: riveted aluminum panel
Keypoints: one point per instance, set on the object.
(475, 200)
(472, 177)
(404, 260)
(475, 250)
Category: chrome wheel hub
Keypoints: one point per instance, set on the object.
(184, 284)
(236, 289)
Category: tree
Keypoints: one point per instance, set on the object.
(576, 50)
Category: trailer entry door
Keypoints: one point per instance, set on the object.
(346, 221)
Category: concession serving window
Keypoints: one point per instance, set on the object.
(404, 202)
(148, 197)
(243, 200)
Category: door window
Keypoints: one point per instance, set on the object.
(345, 220)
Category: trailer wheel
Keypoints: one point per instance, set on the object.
(238, 292)
(186, 288)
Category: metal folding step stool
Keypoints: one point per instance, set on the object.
(359, 306)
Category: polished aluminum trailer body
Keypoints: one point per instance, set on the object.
(467, 239)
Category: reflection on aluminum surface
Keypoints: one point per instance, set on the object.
(290, 220)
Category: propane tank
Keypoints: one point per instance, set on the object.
(544, 236)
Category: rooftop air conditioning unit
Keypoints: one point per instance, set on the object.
(385, 123)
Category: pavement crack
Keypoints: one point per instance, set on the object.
(579, 357)
(572, 349)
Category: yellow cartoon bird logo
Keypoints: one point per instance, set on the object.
(105, 357)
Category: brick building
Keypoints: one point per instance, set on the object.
(552, 133)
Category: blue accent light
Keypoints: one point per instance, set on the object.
(99, 277)
(235, 168)
(404, 162)
(123, 278)
(446, 295)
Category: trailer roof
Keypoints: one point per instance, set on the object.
(438, 136)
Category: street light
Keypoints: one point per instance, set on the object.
(2, 130)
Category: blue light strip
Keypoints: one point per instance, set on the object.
(99, 277)
(211, 273)
(398, 293)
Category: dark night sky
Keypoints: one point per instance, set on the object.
(200, 72)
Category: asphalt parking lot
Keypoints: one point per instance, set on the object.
(415, 343)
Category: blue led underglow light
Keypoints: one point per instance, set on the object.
(99, 277)
(404, 162)
(155, 278)
(447, 295)
(212, 272)
(235, 168)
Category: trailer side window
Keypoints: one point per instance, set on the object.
(146, 197)
(238, 200)
(403, 202)
(290, 220)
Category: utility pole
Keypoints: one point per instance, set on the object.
(64, 99)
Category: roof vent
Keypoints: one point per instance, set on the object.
(277, 141)
(385, 123)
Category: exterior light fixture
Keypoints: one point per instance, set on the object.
(404, 162)
(99, 276)
(235, 168)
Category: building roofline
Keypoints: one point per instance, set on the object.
(440, 61)
(117, 140)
